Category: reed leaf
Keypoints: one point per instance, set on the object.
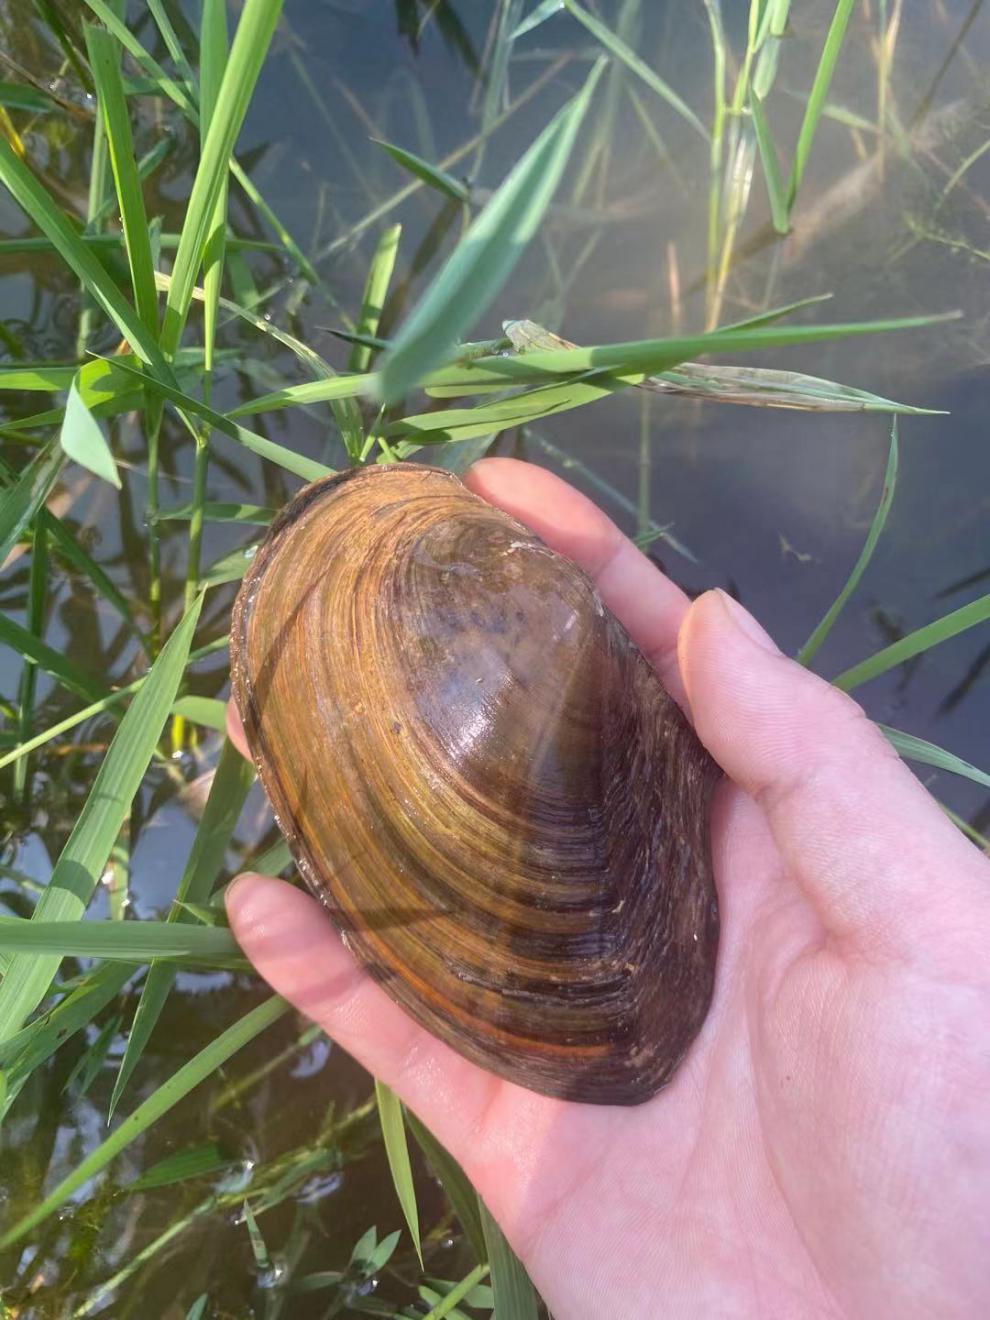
(34, 199)
(120, 941)
(373, 301)
(927, 753)
(814, 643)
(390, 1115)
(301, 466)
(199, 1068)
(817, 98)
(53, 662)
(515, 1296)
(104, 59)
(437, 179)
(231, 783)
(776, 192)
(483, 260)
(915, 643)
(247, 54)
(87, 851)
(455, 1183)
(82, 439)
(617, 47)
(21, 501)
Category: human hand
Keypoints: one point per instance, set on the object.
(824, 1149)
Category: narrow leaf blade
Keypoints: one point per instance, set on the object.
(84, 856)
(484, 258)
(82, 439)
(394, 1135)
(814, 643)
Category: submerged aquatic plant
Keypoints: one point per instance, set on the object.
(148, 380)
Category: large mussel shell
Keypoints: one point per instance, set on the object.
(484, 781)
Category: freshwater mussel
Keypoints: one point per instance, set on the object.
(484, 781)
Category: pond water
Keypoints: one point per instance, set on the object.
(770, 504)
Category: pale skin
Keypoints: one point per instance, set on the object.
(824, 1149)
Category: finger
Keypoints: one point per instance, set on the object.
(235, 730)
(291, 941)
(647, 604)
(866, 842)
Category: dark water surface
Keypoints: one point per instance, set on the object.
(773, 506)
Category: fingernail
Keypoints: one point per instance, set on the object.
(744, 621)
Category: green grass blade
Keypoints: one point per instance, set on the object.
(812, 646)
(394, 1136)
(247, 184)
(17, 96)
(209, 712)
(33, 198)
(51, 661)
(917, 749)
(373, 302)
(106, 703)
(515, 1296)
(771, 167)
(818, 96)
(455, 1183)
(519, 410)
(73, 553)
(213, 58)
(437, 179)
(306, 468)
(446, 1304)
(777, 313)
(183, 99)
(120, 941)
(250, 46)
(20, 501)
(146, 167)
(234, 777)
(302, 351)
(104, 59)
(84, 856)
(483, 260)
(631, 60)
(164, 84)
(202, 1066)
(273, 861)
(544, 10)
(923, 639)
(172, 43)
(213, 64)
(82, 439)
(100, 242)
(310, 391)
(34, 1044)
(652, 356)
(255, 515)
(181, 1167)
(41, 377)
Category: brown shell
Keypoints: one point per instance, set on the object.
(484, 781)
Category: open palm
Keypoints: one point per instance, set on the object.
(824, 1150)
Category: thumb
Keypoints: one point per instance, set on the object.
(871, 849)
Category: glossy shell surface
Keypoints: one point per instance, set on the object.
(484, 781)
